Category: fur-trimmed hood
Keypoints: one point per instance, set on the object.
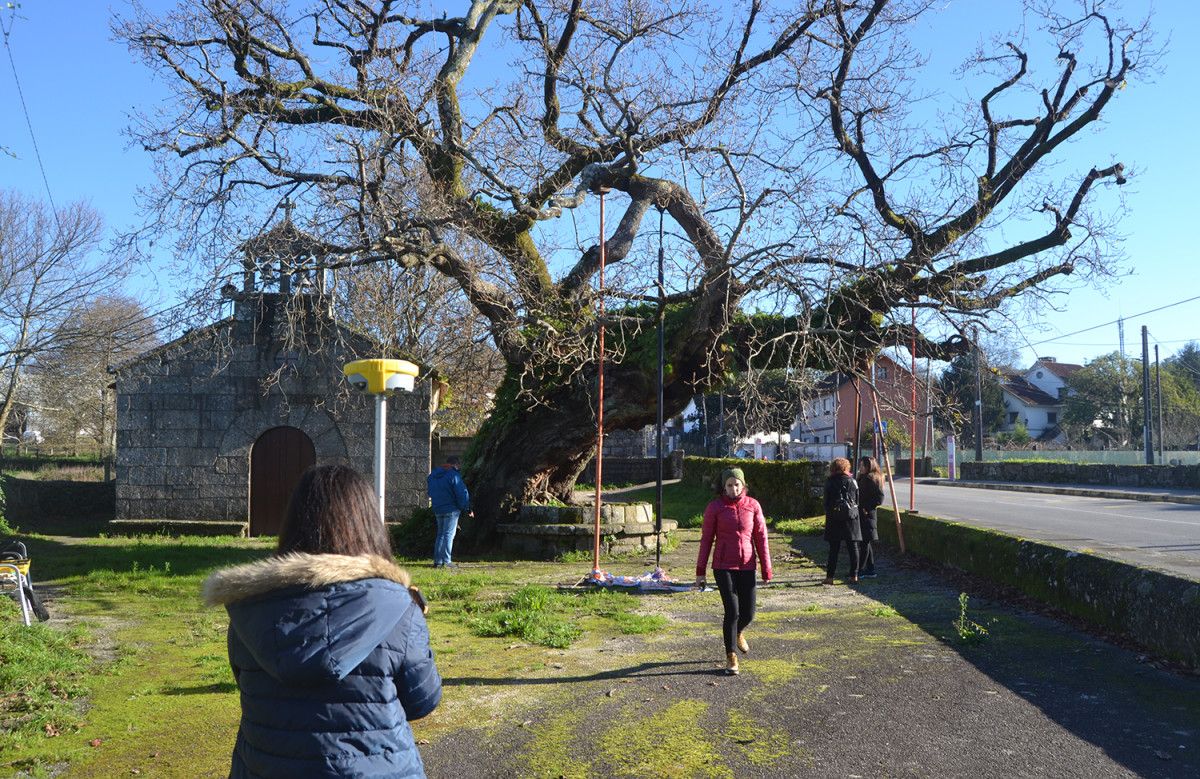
(298, 569)
(311, 618)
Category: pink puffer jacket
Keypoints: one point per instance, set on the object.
(739, 531)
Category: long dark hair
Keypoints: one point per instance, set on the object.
(869, 468)
(334, 511)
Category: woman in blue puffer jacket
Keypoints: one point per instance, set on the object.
(328, 642)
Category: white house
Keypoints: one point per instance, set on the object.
(1036, 397)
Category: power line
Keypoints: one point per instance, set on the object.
(1110, 343)
(28, 122)
(1115, 321)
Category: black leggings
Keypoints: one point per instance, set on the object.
(737, 596)
(851, 550)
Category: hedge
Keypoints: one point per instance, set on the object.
(785, 489)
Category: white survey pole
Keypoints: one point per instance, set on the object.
(380, 448)
(379, 377)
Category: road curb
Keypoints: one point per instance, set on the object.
(1086, 492)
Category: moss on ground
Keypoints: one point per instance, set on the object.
(760, 746)
(665, 744)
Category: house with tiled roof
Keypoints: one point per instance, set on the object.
(828, 416)
(1035, 398)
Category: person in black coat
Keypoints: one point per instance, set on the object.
(328, 642)
(841, 517)
(870, 497)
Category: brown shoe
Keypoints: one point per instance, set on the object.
(732, 664)
(827, 581)
(742, 645)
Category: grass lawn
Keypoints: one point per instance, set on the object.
(131, 675)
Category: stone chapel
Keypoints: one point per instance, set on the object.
(220, 423)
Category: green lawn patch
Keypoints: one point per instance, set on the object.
(140, 676)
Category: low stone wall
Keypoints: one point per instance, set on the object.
(785, 489)
(177, 527)
(546, 532)
(633, 470)
(924, 466)
(1158, 610)
(32, 500)
(1178, 476)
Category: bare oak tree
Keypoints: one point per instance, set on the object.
(70, 381)
(806, 192)
(46, 275)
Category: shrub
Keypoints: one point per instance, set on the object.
(414, 537)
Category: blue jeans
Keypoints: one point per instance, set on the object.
(447, 526)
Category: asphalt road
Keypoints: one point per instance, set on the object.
(1161, 535)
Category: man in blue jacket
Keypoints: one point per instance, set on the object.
(449, 498)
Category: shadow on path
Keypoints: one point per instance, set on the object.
(641, 671)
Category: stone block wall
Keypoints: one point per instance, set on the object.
(189, 413)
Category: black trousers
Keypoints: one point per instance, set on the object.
(866, 557)
(737, 596)
(851, 550)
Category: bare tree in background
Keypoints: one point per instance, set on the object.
(799, 176)
(423, 314)
(70, 381)
(47, 273)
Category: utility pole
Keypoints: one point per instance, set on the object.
(1146, 436)
(1158, 395)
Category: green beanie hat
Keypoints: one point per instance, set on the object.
(732, 473)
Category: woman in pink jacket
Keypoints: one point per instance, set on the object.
(734, 523)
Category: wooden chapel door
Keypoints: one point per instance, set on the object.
(277, 459)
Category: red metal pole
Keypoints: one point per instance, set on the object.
(912, 452)
(887, 469)
(600, 394)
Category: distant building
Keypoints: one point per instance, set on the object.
(220, 423)
(1036, 397)
(829, 414)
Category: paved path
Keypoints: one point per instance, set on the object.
(841, 682)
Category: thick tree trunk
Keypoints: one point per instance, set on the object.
(528, 452)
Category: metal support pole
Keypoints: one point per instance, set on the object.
(887, 469)
(912, 438)
(978, 400)
(927, 428)
(1147, 438)
(600, 392)
(380, 449)
(658, 487)
(857, 421)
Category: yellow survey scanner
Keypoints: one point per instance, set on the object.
(380, 376)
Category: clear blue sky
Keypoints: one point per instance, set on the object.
(79, 86)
